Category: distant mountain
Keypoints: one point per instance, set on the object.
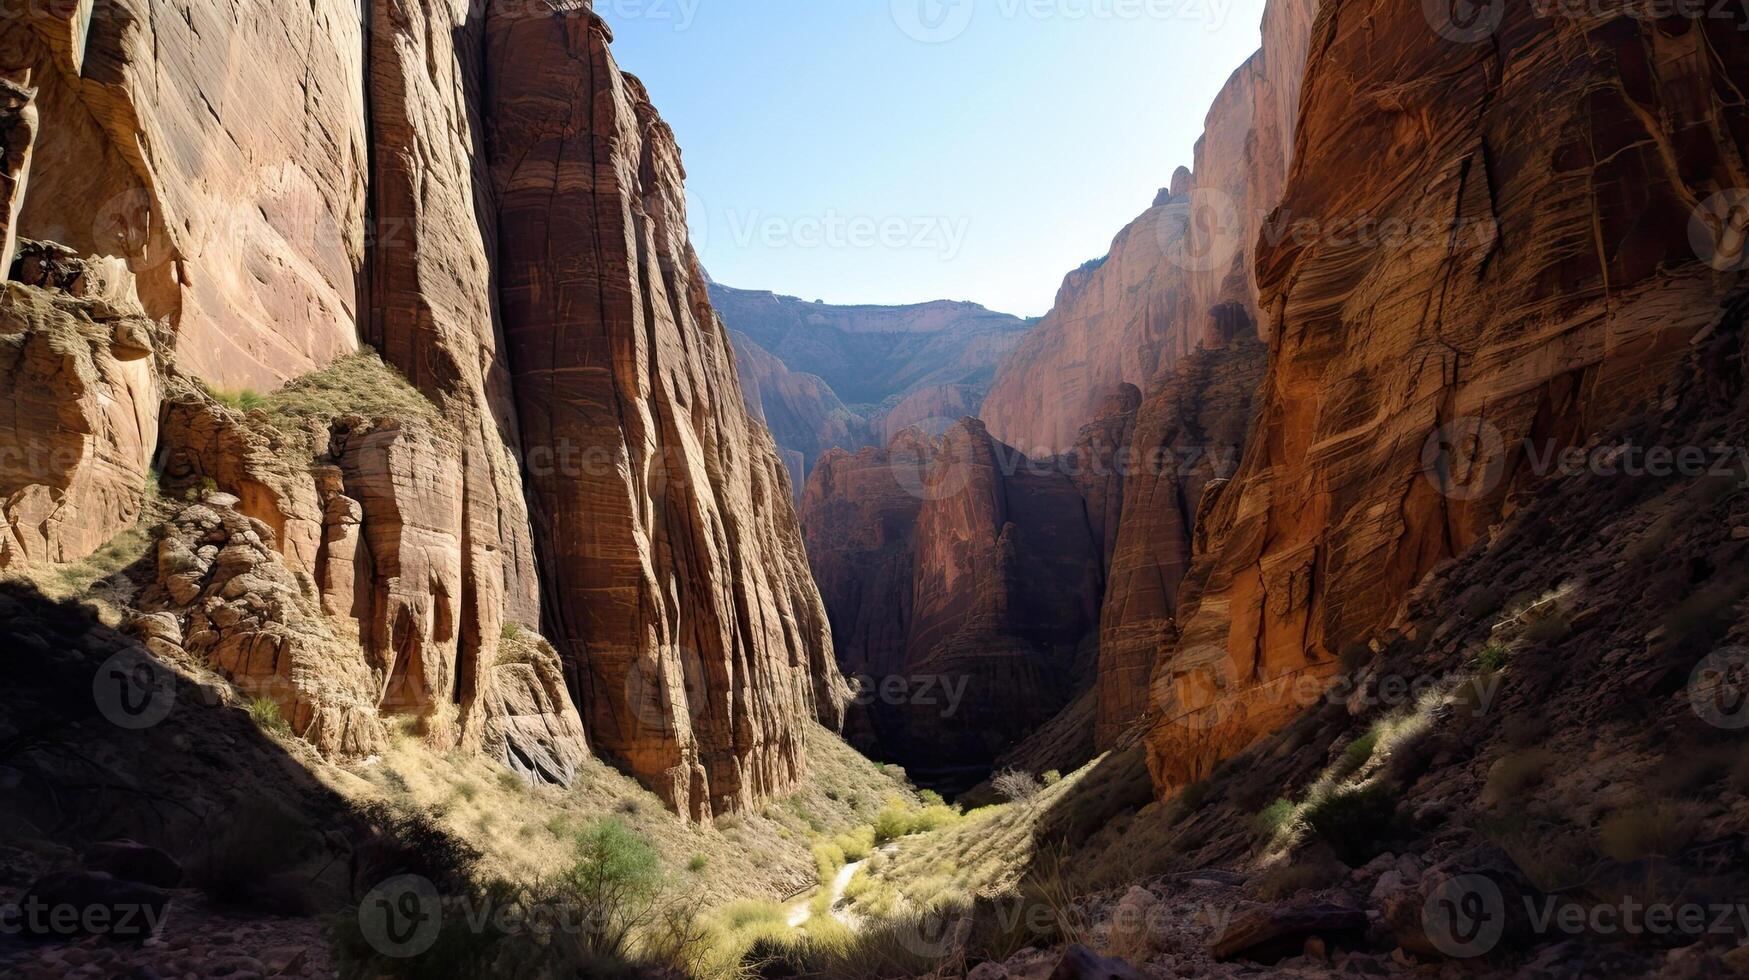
(824, 375)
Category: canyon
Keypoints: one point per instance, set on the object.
(825, 376)
(365, 388)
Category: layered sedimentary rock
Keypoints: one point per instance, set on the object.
(676, 585)
(1179, 276)
(1535, 266)
(962, 579)
(856, 376)
(226, 600)
(433, 309)
(78, 423)
(218, 152)
(1188, 437)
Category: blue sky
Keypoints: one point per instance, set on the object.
(894, 151)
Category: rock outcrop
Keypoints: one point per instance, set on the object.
(78, 425)
(856, 376)
(676, 585)
(962, 580)
(1189, 437)
(230, 199)
(1473, 270)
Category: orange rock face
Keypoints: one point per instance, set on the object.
(219, 155)
(214, 167)
(78, 425)
(1465, 272)
(676, 584)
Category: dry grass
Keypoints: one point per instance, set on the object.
(527, 833)
(360, 384)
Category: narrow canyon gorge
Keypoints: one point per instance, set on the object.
(1348, 575)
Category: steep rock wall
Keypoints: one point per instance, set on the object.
(676, 585)
(218, 152)
(1547, 277)
(1176, 278)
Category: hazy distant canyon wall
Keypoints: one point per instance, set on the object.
(478, 192)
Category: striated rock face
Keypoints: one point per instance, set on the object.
(433, 310)
(856, 376)
(1189, 436)
(219, 155)
(1176, 278)
(962, 580)
(676, 586)
(1543, 265)
(78, 424)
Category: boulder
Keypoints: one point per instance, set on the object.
(132, 861)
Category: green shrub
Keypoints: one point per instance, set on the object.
(1356, 823)
(613, 883)
(697, 863)
(1275, 817)
(828, 858)
(1358, 753)
(857, 845)
(265, 713)
(1493, 656)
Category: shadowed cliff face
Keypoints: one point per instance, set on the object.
(676, 583)
(1531, 273)
(963, 582)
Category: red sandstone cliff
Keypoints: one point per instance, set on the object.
(1545, 278)
(365, 548)
(677, 588)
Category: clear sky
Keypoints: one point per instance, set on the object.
(894, 151)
